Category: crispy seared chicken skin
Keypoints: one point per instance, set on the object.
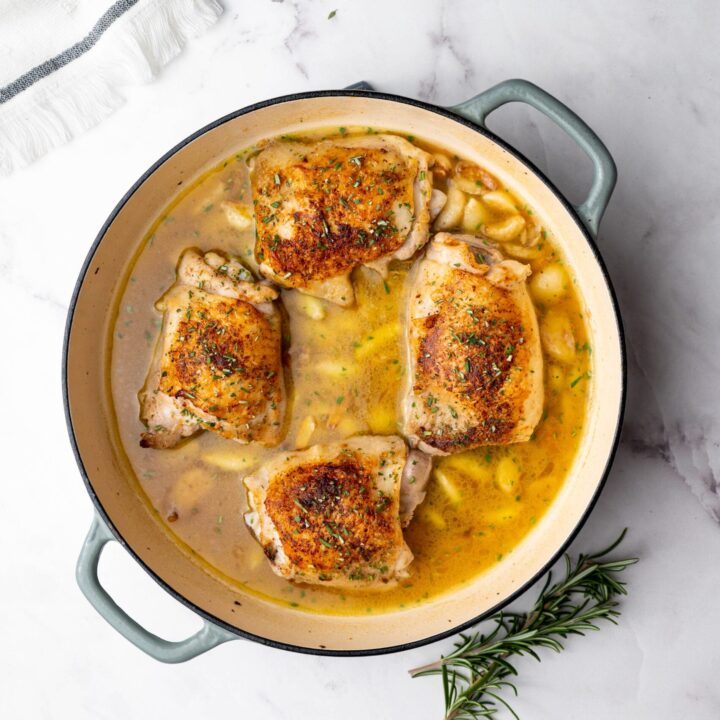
(475, 363)
(217, 364)
(324, 208)
(333, 514)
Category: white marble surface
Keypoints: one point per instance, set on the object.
(646, 76)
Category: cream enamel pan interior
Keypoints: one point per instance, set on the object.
(108, 477)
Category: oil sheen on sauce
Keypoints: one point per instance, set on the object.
(347, 370)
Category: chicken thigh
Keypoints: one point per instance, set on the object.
(333, 514)
(217, 364)
(324, 208)
(474, 358)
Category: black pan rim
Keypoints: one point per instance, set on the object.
(455, 629)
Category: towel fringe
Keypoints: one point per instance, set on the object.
(84, 92)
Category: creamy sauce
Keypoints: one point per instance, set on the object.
(347, 369)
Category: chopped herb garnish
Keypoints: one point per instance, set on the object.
(584, 376)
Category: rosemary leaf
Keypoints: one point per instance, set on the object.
(476, 674)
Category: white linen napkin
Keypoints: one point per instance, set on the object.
(63, 62)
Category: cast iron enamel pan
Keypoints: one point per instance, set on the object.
(123, 516)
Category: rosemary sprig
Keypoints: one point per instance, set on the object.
(477, 671)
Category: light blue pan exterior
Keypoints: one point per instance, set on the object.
(208, 637)
(476, 110)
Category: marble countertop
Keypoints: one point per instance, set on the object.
(646, 76)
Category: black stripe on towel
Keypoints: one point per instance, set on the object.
(118, 9)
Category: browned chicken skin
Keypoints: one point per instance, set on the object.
(217, 365)
(475, 361)
(324, 208)
(334, 514)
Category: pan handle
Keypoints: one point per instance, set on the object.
(479, 107)
(205, 639)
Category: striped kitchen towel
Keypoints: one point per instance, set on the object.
(63, 62)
